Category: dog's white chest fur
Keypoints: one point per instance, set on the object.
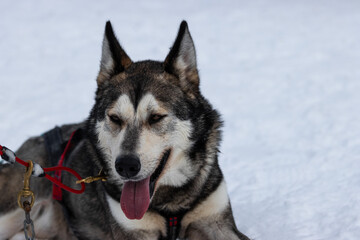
(152, 222)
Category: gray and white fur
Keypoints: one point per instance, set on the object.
(149, 121)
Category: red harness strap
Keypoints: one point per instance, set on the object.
(173, 227)
(57, 193)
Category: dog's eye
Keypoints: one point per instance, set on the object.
(155, 118)
(116, 119)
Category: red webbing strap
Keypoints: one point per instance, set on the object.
(57, 179)
(57, 193)
(59, 184)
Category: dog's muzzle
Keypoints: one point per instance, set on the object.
(136, 195)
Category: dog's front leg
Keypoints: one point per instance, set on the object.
(212, 219)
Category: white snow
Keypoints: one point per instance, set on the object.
(284, 74)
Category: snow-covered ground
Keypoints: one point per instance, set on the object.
(284, 74)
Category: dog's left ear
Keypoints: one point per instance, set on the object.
(114, 59)
(181, 61)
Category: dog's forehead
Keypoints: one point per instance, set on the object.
(137, 83)
(147, 77)
(147, 104)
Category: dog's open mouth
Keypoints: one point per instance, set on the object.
(135, 196)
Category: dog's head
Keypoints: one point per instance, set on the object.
(148, 118)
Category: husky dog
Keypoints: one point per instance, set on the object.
(156, 138)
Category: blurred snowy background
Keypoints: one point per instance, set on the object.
(284, 74)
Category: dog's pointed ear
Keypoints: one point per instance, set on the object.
(181, 61)
(114, 59)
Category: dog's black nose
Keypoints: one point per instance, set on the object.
(127, 165)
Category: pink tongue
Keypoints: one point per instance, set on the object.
(135, 198)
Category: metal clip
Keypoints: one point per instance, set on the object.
(26, 192)
(101, 176)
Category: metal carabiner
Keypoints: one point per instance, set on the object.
(26, 192)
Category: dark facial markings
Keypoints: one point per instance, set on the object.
(131, 139)
(156, 118)
(115, 119)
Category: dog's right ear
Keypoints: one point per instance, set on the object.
(114, 59)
